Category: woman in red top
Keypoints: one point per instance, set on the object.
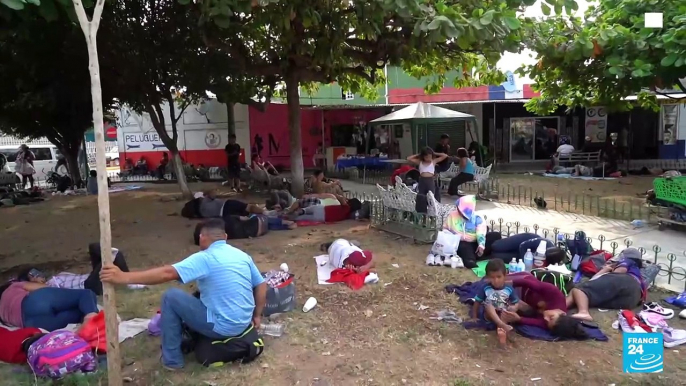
(542, 305)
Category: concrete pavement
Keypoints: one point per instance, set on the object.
(668, 241)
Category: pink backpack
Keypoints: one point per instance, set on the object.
(60, 353)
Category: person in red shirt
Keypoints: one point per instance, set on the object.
(11, 350)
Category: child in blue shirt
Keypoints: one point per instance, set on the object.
(497, 296)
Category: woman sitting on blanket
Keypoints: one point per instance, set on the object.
(471, 228)
(347, 254)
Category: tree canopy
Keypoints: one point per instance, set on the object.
(42, 93)
(608, 55)
(350, 42)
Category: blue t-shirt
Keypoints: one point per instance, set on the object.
(469, 167)
(500, 299)
(226, 277)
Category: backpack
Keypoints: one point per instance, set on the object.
(565, 283)
(214, 353)
(60, 353)
(593, 263)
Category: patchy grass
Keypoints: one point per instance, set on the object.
(375, 336)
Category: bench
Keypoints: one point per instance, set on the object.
(579, 158)
(9, 180)
(400, 217)
(481, 176)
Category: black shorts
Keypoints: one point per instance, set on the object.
(233, 170)
(234, 208)
(614, 291)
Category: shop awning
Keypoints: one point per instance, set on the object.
(421, 111)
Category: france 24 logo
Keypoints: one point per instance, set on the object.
(643, 353)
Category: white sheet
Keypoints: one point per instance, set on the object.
(127, 329)
(324, 269)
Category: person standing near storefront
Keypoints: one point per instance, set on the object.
(233, 151)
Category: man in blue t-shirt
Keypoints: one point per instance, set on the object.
(232, 292)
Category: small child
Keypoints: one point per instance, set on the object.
(497, 296)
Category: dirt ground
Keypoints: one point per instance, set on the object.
(377, 335)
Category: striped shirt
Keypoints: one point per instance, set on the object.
(226, 277)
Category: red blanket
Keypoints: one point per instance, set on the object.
(10, 348)
(353, 279)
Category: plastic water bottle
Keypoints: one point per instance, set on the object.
(512, 267)
(521, 267)
(528, 260)
(357, 215)
(539, 257)
(637, 223)
(272, 329)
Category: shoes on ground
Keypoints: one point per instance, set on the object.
(672, 337)
(658, 309)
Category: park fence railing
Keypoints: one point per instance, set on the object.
(672, 275)
(493, 189)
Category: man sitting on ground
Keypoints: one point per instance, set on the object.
(232, 292)
(346, 254)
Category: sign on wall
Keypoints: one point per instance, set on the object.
(670, 117)
(143, 142)
(596, 124)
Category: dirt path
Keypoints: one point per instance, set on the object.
(375, 336)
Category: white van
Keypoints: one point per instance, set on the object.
(46, 158)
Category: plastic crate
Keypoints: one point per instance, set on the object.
(671, 189)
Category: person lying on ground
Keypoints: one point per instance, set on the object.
(244, 227)
(210, 205)
(327, 213)
(471, 228)
(280, 199)
(308, 200)
(497, 297)
(515, 246)
(346, 254)
(90, 281)
(618, 285)
(34, 304)
(232, 292)
(539, 302)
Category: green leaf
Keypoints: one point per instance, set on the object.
(36, 2)
(487, 18)
(546, 9)
(434, 25)
(512, 22)
(184, 2)
(16, 5)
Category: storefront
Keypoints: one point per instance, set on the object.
(672, 132)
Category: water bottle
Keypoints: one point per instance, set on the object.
(357, 215)
(528, 260)
(637, 223)
(513, 265)
(272, 329)
(521, 267)
(539, 257)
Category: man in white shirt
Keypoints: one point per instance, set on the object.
(345, 254)
(565, 150)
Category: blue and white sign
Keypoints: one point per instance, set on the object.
(510, 84)
(643, 353)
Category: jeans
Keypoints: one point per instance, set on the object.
(276, 224)
(455, 182)
(55, 308)
(179, 308)
(467, 249)
(313, 213)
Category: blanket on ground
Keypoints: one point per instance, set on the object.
(585, 178)
(467, 292)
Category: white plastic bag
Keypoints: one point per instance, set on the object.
(446, 244)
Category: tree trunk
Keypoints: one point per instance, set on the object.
(177, 165)
(295, 133)
(73, 165)
(232, 118)
(90, 31)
